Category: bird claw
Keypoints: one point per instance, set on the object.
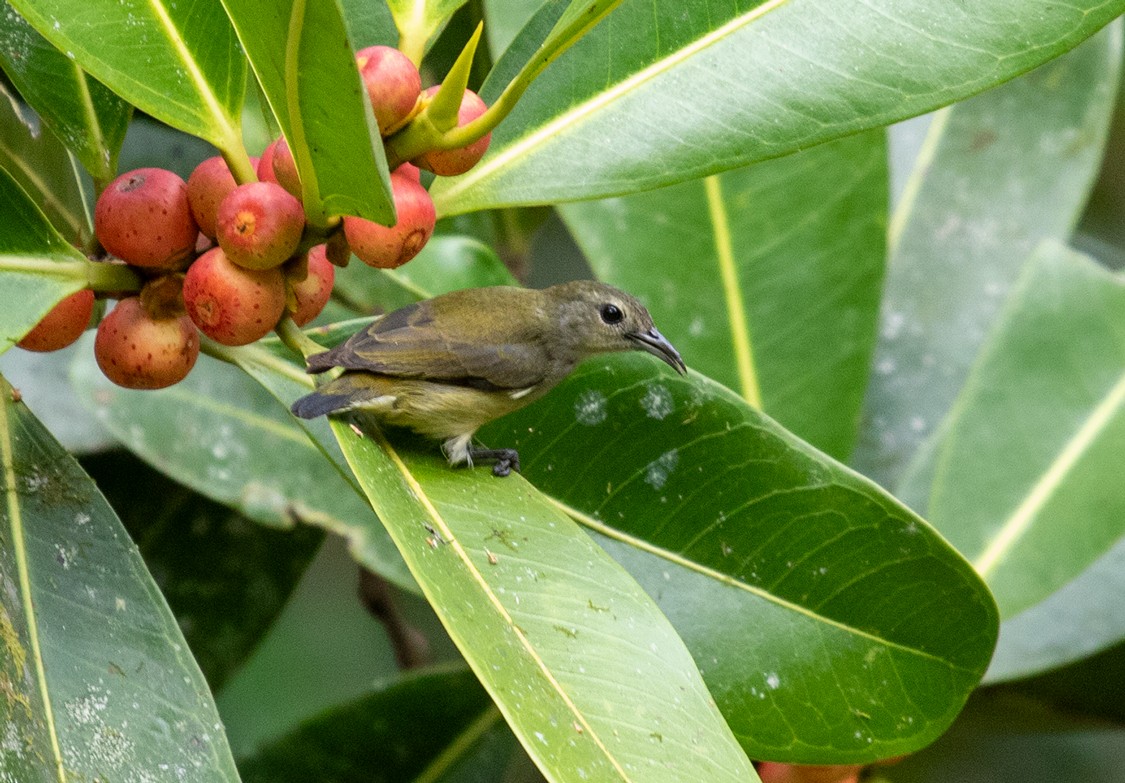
(505, 460)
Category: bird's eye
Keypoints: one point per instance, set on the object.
(612, 314)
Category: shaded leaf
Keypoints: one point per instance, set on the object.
(301, 54)
(89, 119)
(767, 278)
(98, 679)
(831, 624)
(223, 436)
(1024, 482)
(975, 207)
(429, 722)
(419, 22)
(369, 24)
(224, 577)
(39, 163)
(658, 94)
(178, 61)
(504, 19)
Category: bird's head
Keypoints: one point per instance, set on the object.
(598, 318)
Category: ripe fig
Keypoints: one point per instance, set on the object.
(449, 163)
(259, 225)
(138, 351)
(62, 325)
(231, 304)
(144, 218)
(387, 247)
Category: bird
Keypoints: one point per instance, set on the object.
(446, 366)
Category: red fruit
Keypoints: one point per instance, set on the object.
(259, 225)
(410, 171)
(138, 351)
(776, 772)
(144, 218)
(285, 168)
(449, 163)
(230, 304)
(207, 186)
(62, 325)
(265, 163)
(313, 292)
(388, 247)
(393, 84)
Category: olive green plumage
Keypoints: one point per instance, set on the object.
(446, 366)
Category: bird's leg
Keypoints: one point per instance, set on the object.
(506, 460)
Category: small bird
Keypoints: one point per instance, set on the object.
(446, 366)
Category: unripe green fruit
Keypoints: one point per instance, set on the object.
(393, 84)
(449, 163)
(138, 351)
(259, 225)
(230, 304)
(313, 292)
(144, 218)
(387, 247)
(207, 186)
(62, 325)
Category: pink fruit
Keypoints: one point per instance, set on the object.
(230, 304)
(62, 325)
(259, 225)
(313, 292)
(207, 186)
(387, 247)
(449, 163)
(138, 351)
(393, 84)
(285, 168)
(265, 163)
(144, 218)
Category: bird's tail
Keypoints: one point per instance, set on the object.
(321, 362)
(350, 390)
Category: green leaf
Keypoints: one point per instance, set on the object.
(446, 263)
(660, 93)
(831, 624)
(221, 435)
(89, 119)
(504, 19)
(178, 61)
(767, 278)
(300, 52)
(422, 727)
(98, 681)
(37, 267)
(39, 163)
(1025, 479)
(419, 22)
(976, 205)
(581, 663)
(225, 578)
(369, 24)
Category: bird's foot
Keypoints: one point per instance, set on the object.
(504, 460)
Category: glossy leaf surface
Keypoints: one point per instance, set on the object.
(664, 92)
(222, 435)
(178, 61)
(975, 207)
(88, 118)
(39, 163)
(419, 21)
(1024, 483)
(301, 54)
(99, 680)
(766, 278)
(830, 623)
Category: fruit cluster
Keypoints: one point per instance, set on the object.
(232, 259)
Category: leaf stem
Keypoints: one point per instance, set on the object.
(296, 340)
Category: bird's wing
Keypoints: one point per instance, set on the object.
(408, 344)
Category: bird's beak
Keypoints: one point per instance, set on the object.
(654, 342)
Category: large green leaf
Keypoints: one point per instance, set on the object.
(89, 118)
(668, 91)
(301, 54)
(223, 436)
(1026, 480)
(831, 624)
(98, 682)
(39, 163)
(585, 669)
(419, 21)
(975, 207)
(766, 278)
(504, 19)
(423, 727)
(178, 61)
